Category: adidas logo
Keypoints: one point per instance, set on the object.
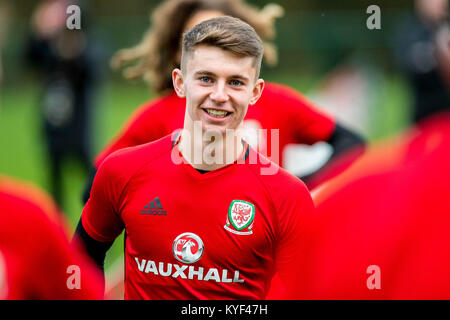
(155, 208)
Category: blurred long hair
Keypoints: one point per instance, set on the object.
(154, 58)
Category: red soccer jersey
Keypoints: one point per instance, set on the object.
(280, 107)
(217, 235)
(36, 259)
(381, 229)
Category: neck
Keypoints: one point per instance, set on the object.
(210, 150)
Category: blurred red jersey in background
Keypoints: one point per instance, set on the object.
(36, 258)
(381, 230)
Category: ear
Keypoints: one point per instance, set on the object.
(257, 91)
(178, 82)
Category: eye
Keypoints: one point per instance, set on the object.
(205, 79)
(236, 83)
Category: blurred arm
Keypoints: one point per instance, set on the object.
(96, 250)
(341, 140)
(442, 40)
(88, 186)
(100, 225)
(294, 214)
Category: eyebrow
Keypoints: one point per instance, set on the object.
(212, 74)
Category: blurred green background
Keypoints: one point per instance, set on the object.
(314, 39)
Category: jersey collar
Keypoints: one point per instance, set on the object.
(176, 137)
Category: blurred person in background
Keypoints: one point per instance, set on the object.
(36, 258)
(299, 121)
(390, 239)
(380, 230)
(4, 19)
(418, 54)
(67, 63)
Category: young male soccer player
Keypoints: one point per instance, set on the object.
(200, 229)
(298, 120)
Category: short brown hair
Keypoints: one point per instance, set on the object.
(228, 33)
(154, 57)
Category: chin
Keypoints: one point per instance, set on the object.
(214, 129)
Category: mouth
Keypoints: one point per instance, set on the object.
(217, 114)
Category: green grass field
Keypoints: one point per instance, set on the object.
(25, 154)
(24, 149)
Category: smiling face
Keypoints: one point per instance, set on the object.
(218, 86)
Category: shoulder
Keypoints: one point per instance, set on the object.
(159, 105)
(127, 160)
(290, 101)
(24, 197)
(281, 91)
(286, 186)
(25, 206)
(280, 184)
(120, 167)
(290, 199)
(307, 119)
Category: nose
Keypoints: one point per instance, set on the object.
(219, 94)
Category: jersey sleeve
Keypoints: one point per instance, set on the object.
(143, 126)
(306, 121)
(293, 213)
(101, 218)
